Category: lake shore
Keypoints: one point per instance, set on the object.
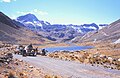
(102, 53)
(55, 44)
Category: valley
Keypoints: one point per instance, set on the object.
(70, 51)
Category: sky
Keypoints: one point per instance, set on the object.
(65, 11)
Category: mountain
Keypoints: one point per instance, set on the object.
(56, 32)
(29, 17)
(31, 22)
(6, 20)
(11, 32)
(109, 33)
(85, 28)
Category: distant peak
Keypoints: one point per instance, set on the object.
(30, 14)
(28, 17)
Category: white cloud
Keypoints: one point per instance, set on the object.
(39, 12)
(22, 13)
(7, 1)
(35, 11)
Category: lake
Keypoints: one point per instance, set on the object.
(69, 48)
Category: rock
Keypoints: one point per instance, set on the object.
(26, 65)
(24, 69)
(102, 56)
(86, 61)
(31, 70)
(11, 75)
(16, 63)
(21, 74)
(5, 71)
(8, 67)
(21, 60)
(54, 77)
(110, 58)
(6, 63)
(119, 59)
(112, 68)
(30, 66)
(6, 75)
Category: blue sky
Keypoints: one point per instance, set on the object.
(65, 11)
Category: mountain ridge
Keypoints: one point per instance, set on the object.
(57, 31)
(109, 33)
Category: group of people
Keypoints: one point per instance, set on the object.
(28, 49)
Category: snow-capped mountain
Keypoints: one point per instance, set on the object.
(87, 27)
(31, 22)
(109, 33)
(57, 31)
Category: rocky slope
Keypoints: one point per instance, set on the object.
(111, 33)
(13, 33)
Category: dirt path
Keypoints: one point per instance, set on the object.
(69, 68)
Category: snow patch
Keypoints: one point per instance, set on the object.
(100, 27)
(30, 23)
(77, 28)
(91, 27)
(117, 41)
(105, 34)
(37, 23)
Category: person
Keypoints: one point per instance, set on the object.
(24, 53)
(43, 51)
(36, 50)
(30, 47)
(20, 48)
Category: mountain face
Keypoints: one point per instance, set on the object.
(109, 33)
(6, 20)
(12, 32)
(57, 31)
(31, 22)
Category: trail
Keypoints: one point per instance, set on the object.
(69, 68)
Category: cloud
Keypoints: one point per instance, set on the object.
(35, 11)
(40, 12)
(8, 1)
(22, 13)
